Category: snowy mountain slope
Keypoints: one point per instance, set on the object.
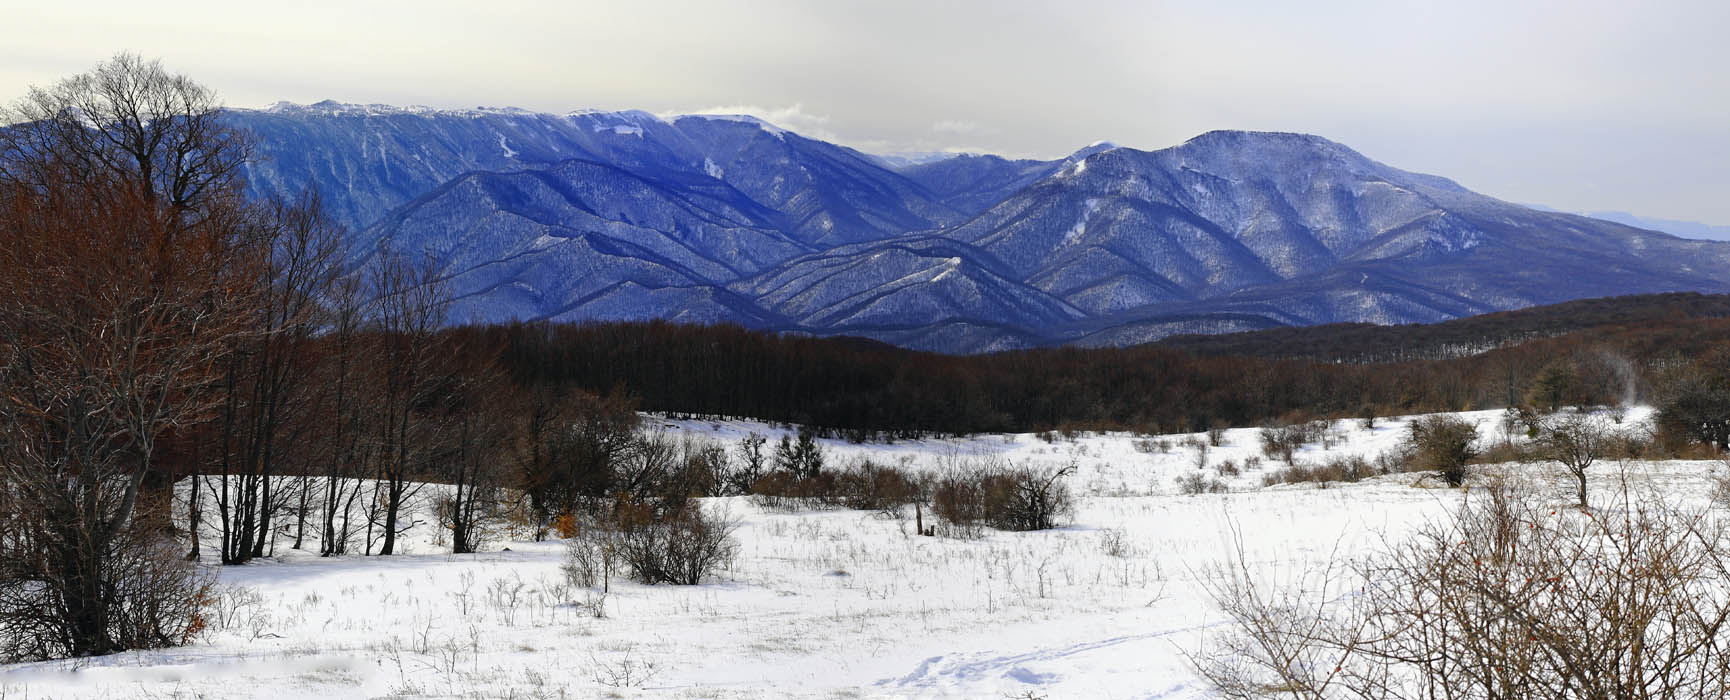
(534, 215)
(827, 194)
(1301, 230)
(902, 283)
(972, 183)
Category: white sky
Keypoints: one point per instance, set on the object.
(1577, 104)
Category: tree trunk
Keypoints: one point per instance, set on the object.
(393, 499)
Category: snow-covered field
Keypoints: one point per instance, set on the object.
(819, 604)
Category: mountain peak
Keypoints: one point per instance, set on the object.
(1090, 149)
(1227, 136)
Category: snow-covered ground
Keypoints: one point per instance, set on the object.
(819, 604)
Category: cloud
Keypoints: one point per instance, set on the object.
(957, 126)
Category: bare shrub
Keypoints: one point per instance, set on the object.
(1576, 441)
(627, 669)
(788, 491)
(1339, 469)
(1018, 498)
(1508, 599)
(680, 548)
(868, 485)
(590, 556)
(156, 598)
(1279, 443)
(1442, 443)
(1393, 461)
(1196, 483)
(1721, 487)
(958, 499)
(1115, 543)
(1029, 498)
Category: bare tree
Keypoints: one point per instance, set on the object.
(751, 463)
(476, 428)
(1576, 440)
(121, 287)
(345, 418)
(536, 445)
(269, 405)
(409, 306)
(129, 122)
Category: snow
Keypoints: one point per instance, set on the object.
(347, 109)
(904, 159)
(506, 147)
(776, 131)
(711, 168)
(1075, 232)
(949, 266)
(818, 604)
(622, 129)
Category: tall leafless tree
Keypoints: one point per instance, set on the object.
(409, 306)
(122, 288)
(268, 410)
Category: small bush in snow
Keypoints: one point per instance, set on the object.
(1338, 469)
(1195, 484)
(1006, 498)
(1279, 443)
(681, 547)
(877, 487)
(1442, 443)
(1114, 543)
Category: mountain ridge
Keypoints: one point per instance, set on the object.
(535, 215)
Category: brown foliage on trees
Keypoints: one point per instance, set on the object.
(124, 285)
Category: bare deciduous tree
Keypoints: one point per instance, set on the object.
(122, 287)
(409, 305)
(268, 411)
(1576, 440)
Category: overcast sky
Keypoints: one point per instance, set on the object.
(1577, 104)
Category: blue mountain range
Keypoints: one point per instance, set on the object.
(703, 218)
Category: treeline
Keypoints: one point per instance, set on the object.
(867, 390)
(1369, 343)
